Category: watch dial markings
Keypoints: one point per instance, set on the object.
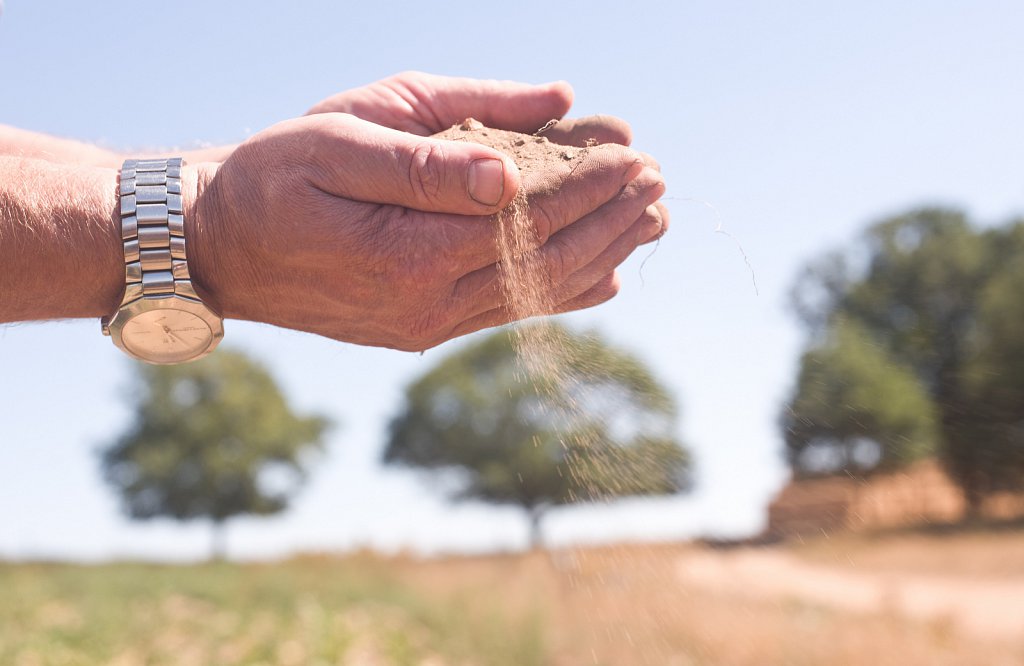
(180, 335)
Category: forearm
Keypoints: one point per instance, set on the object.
(60, 248)
(17, 142)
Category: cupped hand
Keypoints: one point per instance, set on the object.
(426, 104)
(337, 226)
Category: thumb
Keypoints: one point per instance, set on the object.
(367, 162)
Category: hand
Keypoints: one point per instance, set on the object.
(426, 104)
(284, 231)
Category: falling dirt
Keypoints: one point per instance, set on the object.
(548, 357)
(525, 280)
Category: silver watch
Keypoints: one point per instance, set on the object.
(161, 318)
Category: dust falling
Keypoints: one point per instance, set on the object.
(554, 364)
(559, 366)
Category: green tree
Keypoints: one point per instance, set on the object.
(210, 440)
(926, 289)
(856, 409)
(994, 377)
(596, 426)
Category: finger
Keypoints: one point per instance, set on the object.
(646, 228)
(507, 105)
(425, 104)
(590, 130)
(650, 161)
(666, 220)
(580, 244)
(555, 197)
(583, 186)
(604, 290)
(572, 248)
(365, 162)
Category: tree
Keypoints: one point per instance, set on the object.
(856, 409)
(994, 377)
(928, 291)
(212, 439)
(597, 425)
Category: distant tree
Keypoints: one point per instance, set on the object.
(994, 375)
(856, 409)
(939, 301)
(214, 439)
(538, 442)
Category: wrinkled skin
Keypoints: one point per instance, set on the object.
(352, 223)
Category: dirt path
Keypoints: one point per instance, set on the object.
(984, 607)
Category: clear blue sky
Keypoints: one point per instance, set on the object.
(800, 122)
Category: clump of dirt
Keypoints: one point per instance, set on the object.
(534, 154)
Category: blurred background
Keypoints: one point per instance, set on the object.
(852, 335)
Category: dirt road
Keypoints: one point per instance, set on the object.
(984, 607)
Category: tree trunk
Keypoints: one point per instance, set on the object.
(218, 540)
(536, 513)
(973, 499)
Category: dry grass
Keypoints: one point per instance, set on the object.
(618, 605)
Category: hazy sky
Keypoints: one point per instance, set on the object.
(800, 122)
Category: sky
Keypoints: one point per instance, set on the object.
(790, 125)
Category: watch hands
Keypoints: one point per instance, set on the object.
(170, 333)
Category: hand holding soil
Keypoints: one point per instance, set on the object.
(379, 236)
(353, 221)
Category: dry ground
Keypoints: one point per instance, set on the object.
(629, 605)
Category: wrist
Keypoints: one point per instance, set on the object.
(93, 225)
(201, 233)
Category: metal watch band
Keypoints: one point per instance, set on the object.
(153, 231)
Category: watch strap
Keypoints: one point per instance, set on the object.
(153, 231)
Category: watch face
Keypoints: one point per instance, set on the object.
(166, 336)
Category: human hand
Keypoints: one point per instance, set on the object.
(426, 104)
(320, 224)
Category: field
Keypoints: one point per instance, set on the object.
(663, 605)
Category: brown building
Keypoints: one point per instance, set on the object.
(919, 494)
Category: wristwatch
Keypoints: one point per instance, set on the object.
(161, 318)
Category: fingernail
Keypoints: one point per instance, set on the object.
(487, 181)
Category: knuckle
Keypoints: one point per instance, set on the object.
(561, 261)
(666, 221)
(426, 170)
(608, 288)
(407, 76)
(543, 221)
(427, 329)
(651, 224)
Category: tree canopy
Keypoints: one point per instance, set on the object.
(856, 409)
(915, 338)
(212, 439)
(533, 442)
